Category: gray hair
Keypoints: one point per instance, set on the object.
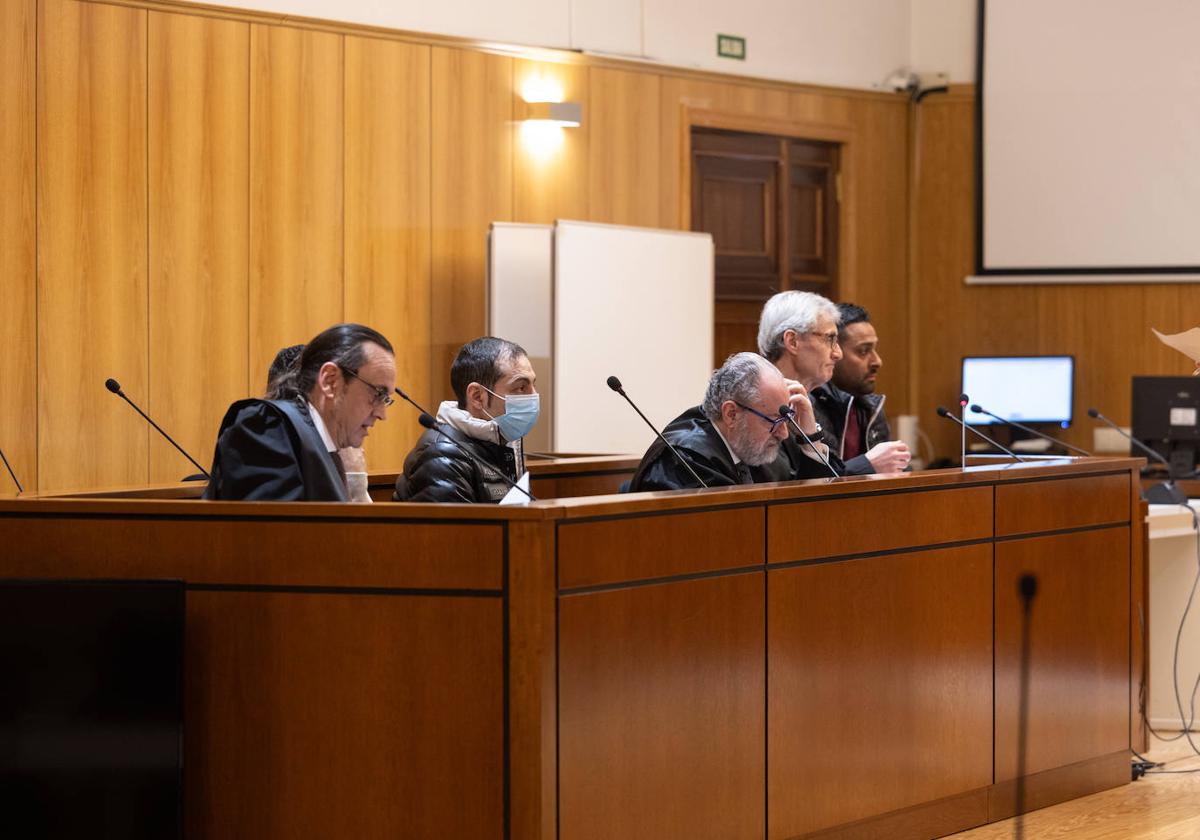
(796, 311)
(738, 380)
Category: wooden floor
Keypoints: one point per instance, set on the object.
(1162, 806)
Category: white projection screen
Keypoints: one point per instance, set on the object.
(634, 303)
(1089, 149)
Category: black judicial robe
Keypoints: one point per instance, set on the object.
(270, 450)
(697, 440)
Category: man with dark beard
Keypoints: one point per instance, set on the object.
(738, 427)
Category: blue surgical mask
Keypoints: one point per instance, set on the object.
(520, 414)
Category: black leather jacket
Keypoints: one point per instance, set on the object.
(438, 471)
(832, 407)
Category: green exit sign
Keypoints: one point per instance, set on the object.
(731, 46)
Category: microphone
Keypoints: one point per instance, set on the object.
(115, 386)
(790, 413)
(20, 489)
(963, 399)
(411, 402)
(429, 423)
(1165, 493)
(615, 384)
(1027, 587)
(942, 412)
(978, 409)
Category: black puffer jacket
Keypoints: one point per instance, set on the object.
(832, 406)
(438, 471)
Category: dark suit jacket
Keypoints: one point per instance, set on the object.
(697, 440)
(269, 450)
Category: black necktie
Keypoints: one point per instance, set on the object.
(743, 473)
(341, 468)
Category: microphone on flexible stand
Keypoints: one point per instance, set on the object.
(615, 384)
(410, 401)
(978, 409)
(115, 386)
(1164, 493)
(963, 399)
(942, 412)
(790, 413)
(20, 489)
(429, 423)
(1027, 587)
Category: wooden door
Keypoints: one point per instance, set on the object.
(771, 205)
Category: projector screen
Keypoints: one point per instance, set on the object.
(1088, 135)
(1027, 389)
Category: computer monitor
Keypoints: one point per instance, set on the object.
(1166, 417)
(91, 702)
(1027, 389)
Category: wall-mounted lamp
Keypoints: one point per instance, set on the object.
(564, 114)
(543, 115)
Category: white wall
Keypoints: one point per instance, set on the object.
(848, 43)
(943, 38)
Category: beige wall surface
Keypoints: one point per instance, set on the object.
(212, 186)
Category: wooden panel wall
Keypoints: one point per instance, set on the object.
(295, 188)
(387, 217)
(92, 298)
(1106, 327)
(199, 169)
(624, 187)
(472, 113)
(215, 186)
(18, 230)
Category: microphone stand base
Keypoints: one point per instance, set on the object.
(1165, 493)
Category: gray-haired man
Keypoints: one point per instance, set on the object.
(737, 428)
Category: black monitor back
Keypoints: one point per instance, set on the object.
(1166, 417)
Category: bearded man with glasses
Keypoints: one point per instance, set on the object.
(286, 449)
(729, 438)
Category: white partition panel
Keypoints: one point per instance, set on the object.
(520, 291)
(636, 303)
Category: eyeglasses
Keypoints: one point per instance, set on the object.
(775, 422)
(829, 338)
(382, 397)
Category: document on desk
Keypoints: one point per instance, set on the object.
(1187, 343)
(515, 496)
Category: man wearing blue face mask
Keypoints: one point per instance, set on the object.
(497, 405)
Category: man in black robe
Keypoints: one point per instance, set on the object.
(286, 449)
(723, 441)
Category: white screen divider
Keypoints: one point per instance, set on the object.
(636, 303)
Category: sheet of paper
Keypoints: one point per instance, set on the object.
(515, 496)
(1187, 343)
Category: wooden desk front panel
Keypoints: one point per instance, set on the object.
(880, 686)
(1079, 648)
(646, 547)
(364, 716)
(1057, 504)
(846, 527)
(661, 712)
(292, 552)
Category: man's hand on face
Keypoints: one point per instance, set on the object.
(799, 401)
(890, 456)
